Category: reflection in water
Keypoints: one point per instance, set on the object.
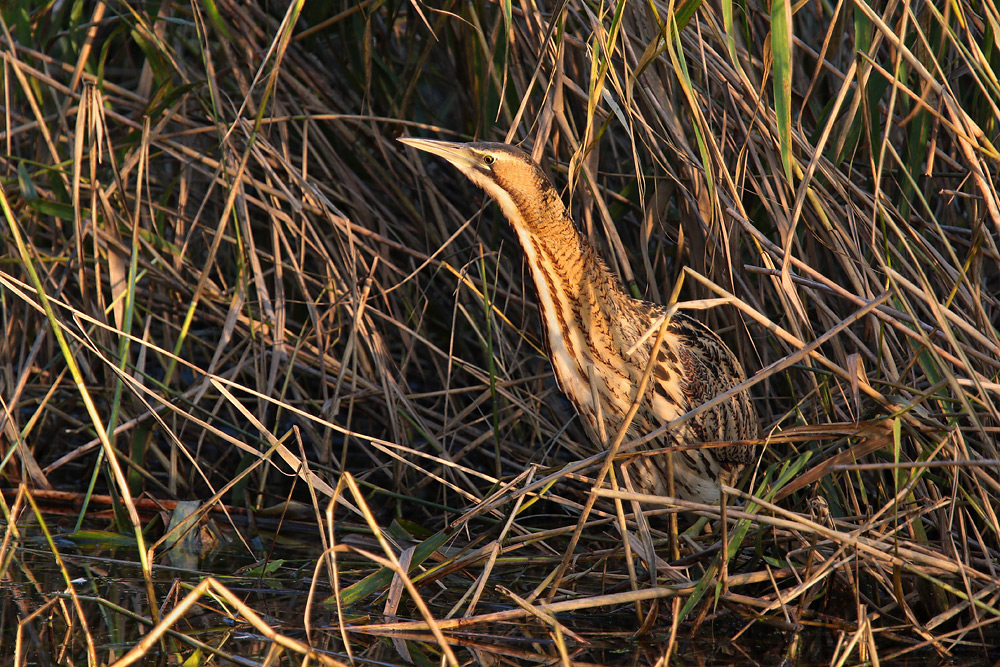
(108, 584)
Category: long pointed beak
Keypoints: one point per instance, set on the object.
(458, 154)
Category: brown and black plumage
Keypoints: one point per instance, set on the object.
(599, 338)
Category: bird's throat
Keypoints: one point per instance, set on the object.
(580, 302)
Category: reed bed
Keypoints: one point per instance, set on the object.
(234, 310)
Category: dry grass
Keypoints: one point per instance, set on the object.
(225, 282)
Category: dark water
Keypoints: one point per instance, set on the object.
(109, 586)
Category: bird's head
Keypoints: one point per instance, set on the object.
(506, 173)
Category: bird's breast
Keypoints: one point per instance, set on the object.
(590, 330)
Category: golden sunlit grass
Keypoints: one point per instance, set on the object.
(229, 296)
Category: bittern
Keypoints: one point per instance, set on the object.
(598, 337)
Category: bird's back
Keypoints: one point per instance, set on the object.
(693, 366)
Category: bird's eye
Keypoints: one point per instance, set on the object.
(489, 159)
